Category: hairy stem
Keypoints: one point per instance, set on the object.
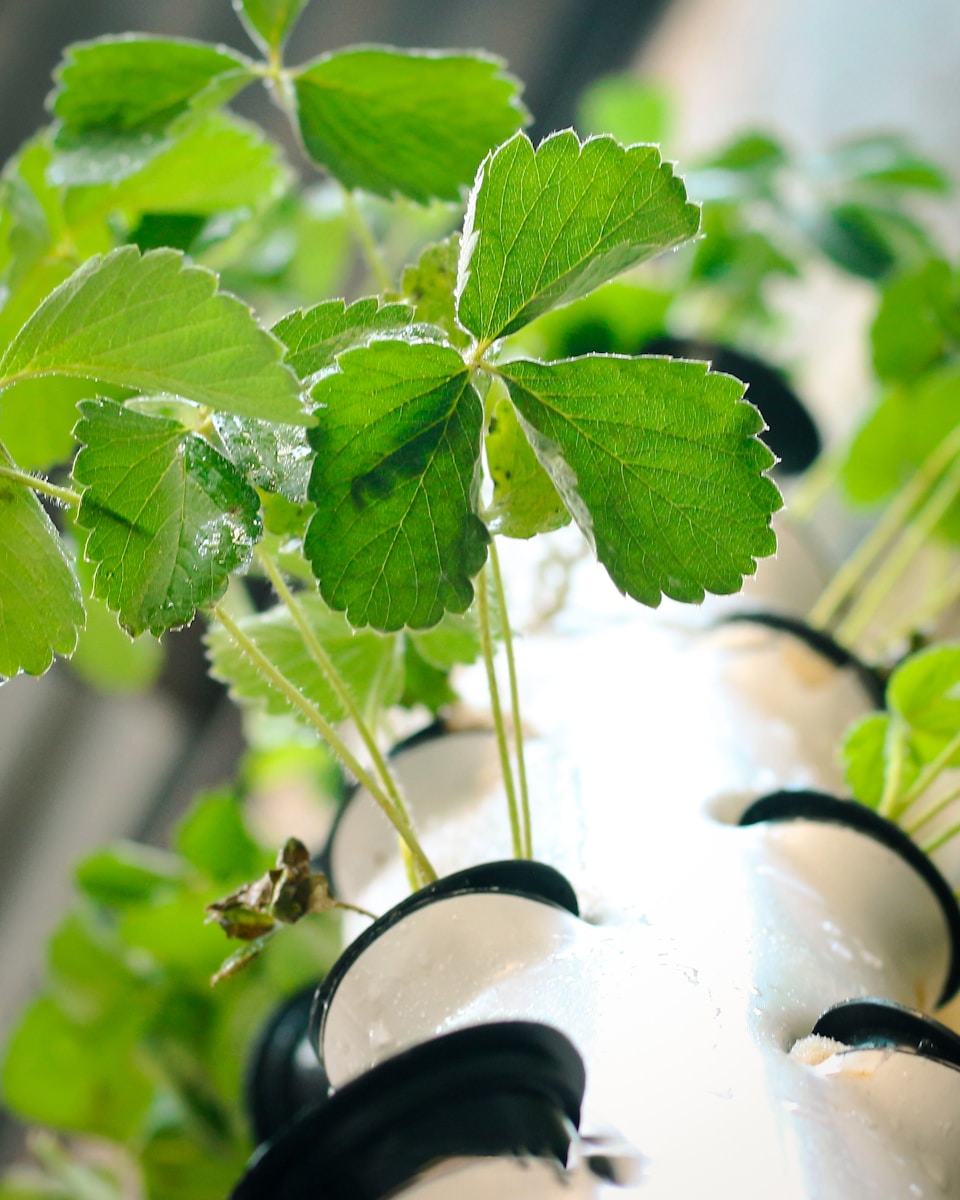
(526, 826)
(277, 679)
(930, 772)
(367, 242)
(933, 811)
(318, 653)
(64, 495)
(852, 573)
(940, 840)
(936, 601)
(895, 746)
(814, 486)
(486, 643)
(909, 543)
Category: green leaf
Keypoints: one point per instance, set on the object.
(886, 161)
(619, 318)
(31, 213)
(41, 609)
(395, 539)
(118, 100)
(37, 417)
(151, 323)
(90, 971)
(525, 502)
(750, 152)
(367, 661)
(423, 682)
(34, 254)
(925, 691)
(547, 226)
(168, 516)
(407, 122)
(302, 248)
(626, 108)
(106, 656)
(99, 1090)
(923, 698)
(127, 873)
(276, 458)
(918, 322)
(658, 463)
(220, 164)
(454, 641)
(213, 837)
(269, 21)
(870, 242)
(285, 519)
(181, 1166)
(864, 758)
(172, 932)
(430, 284)
(178, 231)
(739, 260)
(315, 336)
(899, 435)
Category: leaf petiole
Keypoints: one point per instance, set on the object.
(323, 660)
(366, 242)
(64, 495)
(933, 811)
(486, 644)
(852, 573)
(941, 839)
(931, 771)
(270, 672)
(526, 826)
(894, 753)
(907, 546)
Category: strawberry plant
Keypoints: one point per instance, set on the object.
(341, 451)
(360, 441)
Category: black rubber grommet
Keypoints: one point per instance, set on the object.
(875, 1023)
(821, 643)
(791, 432)
(511, 1088)
(514, 877)
(820, 806)
(278, 1084)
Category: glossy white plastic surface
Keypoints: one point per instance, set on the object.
(462, 960)
(709, 949)
(907, 1113)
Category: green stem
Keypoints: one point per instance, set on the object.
(274, 676)
(814, 486)
(902, 554)
(486, 644)
(851, 574)
(527, 827)
(940, 840)
(363, 912)
(367, 243)
(318, 653)
(65, 495)
(930, 772)
(894, 753)
(933, 811)
(936, 601)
